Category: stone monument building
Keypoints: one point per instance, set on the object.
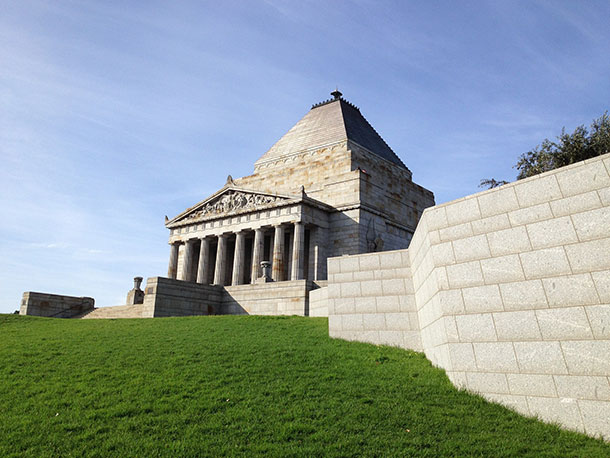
(330, 186)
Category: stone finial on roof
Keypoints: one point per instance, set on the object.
(336, 94)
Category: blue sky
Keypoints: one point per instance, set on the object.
(115, 114)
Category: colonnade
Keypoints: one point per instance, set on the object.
(202, 271)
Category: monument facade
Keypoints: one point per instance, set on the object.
(330, 186)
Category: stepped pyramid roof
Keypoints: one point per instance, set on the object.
(327, 123)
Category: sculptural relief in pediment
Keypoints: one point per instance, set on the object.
(232, 202)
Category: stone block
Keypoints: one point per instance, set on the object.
(436, 218)
(349, 263)
(514, 402)
(470, 248)
(458, 379)
(490, 224)
(392, 287)
(365, 304)
(465, 274)
(570, 290)
(582, 178)
(407, 303)
(582, 387)
(604, 196)
(397, 321)
(515, 326)
(503, 269)
(599, 318)
(451, 329)
(442, 254)
(369, 262)
(451, 301)
(495, 357)
(412, 340)
(462, 211)
(563, 411)
(342, 277)
(593, 224)
(532, 384)
(334, 325)
(462, 357)
(343, 305)
(587, 357)
(528, 215)
(455, 232)
(545, 263)
(553, 232)
(371, 288)
(596, 417)
(374, 321)
(509, 241)
(387, 303)
(351, 289)
(576, 204)
(481, 382)
(479, 299)
(391, 260)
(589, 256)
(361, 276)
(352, 322)
(540, 358)
(392, 338)
(476, 328)
(523, 295)
(536, 190)
(496, 201)
(334, 290)
(602, 285)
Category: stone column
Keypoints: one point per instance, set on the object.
(257, 252)
(187, 261)
(203, 270)
(173, 260)
(219, 273)
(238, 259)
(313, 233)
(298, 251)
(277, 272)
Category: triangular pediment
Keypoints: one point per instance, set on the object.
(230, 200)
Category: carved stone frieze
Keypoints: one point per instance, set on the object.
(232, 202)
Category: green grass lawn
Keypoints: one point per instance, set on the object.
(241, 385)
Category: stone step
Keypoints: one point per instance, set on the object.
(117, 311)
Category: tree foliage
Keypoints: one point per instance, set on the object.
(583, 143)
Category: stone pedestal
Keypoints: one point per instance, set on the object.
(136, 295)
(266, 270)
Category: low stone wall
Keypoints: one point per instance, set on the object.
(370, 299)
(164, 297)
(512, 293)
(318, 301)
(280, 298)
(54, 305)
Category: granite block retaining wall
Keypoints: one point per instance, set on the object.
(511, 293)
(275, 298)
(54, 305)
(164, 297)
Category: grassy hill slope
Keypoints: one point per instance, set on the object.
(240, 385)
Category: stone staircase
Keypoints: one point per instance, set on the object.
(117, 311)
